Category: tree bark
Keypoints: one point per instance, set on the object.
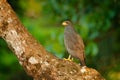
(36, 61)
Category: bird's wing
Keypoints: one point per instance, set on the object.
(79, 46)
(80, 41)
(76, 43)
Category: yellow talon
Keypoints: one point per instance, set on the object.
(69, 58)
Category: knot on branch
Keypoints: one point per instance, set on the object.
(3, 26)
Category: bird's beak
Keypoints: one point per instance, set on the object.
(64, 23)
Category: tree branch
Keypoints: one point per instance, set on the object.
(36, 61)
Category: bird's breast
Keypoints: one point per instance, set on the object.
(70, 39)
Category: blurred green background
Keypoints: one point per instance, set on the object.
(97, 21)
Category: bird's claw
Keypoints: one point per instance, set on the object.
(69, 58)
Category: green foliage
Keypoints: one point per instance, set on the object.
(92, 48)
(97, 22)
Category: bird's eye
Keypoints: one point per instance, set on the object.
(67, 22)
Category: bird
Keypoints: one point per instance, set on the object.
(73, 42)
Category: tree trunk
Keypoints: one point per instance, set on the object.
(36, 61)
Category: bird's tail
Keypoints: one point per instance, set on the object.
(82, 63)
(83, 60)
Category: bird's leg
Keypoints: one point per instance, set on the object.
(72, 58)
(69, 58)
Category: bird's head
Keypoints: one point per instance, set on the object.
(66, 23)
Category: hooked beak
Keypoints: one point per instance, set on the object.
(64, 23)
